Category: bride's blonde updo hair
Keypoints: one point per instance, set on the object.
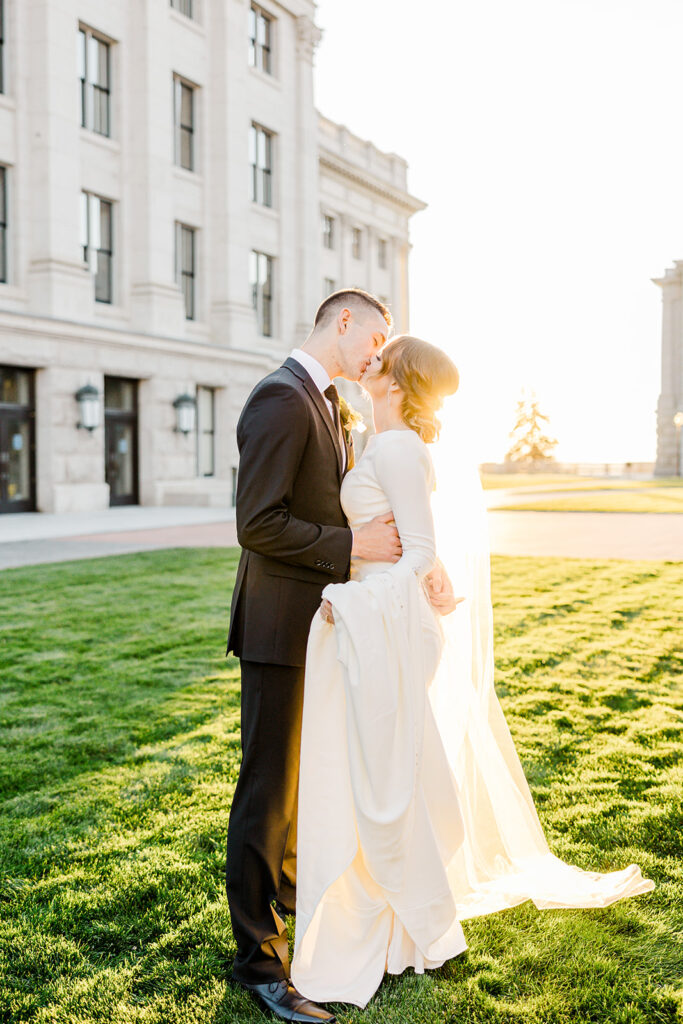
(425, 375)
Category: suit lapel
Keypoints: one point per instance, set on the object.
(319, 402)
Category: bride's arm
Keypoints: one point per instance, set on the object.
(404, 472)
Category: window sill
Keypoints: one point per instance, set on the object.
(263, 76)
(192, 23)
(108, 311)
(192, 177)
(267, 211)
(197, 330)
(8, 290)
(104, 141)
(7, 103)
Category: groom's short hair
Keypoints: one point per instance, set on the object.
(353, 298)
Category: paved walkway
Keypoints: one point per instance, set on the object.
(630, 535)
(35, 538)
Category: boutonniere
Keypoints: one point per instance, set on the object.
(350, 419)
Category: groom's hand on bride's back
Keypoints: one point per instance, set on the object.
(378, 540)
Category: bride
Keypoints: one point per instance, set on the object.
(414, 812)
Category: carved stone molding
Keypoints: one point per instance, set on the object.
(308, 35)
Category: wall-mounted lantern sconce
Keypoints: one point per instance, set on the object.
(88, 398)
(185, 413)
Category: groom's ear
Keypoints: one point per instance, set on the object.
(344, 320)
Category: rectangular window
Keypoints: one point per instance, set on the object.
(382, 253)
(260, 39)
(261, 162)
(329, 286)
(185, 263)
(94, 73)
(356, 243)
(328, 231)
(98, 243)
(261, 281)
(3, 225)
(183, 117)
(2, 45)
(184, 6)
(206, 431)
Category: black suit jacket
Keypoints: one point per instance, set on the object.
(290, 524)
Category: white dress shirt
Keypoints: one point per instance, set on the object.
(320, 378)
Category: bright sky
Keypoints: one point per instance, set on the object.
(547, 138)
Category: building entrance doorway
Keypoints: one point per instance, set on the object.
(17, 440)
(121, 439)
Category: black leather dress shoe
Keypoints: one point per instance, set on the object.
(282, 999)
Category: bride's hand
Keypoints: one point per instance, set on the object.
(440, 590)
(326, 612)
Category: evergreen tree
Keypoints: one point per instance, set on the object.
(530, 442)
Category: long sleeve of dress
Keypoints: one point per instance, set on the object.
(405, 473)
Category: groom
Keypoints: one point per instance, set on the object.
(295, 540)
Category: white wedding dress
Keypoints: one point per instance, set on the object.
(414, 812)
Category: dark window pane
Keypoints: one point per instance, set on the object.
(188, 251)
(186, 106)
(105, 225)
(103, 277)
(100, 110)
(19, 461)
(188, 291)
(119, 394)
(186, 267)
(184, 6)
(186, 149)
(265, 49)
(102, 69)
(15, 386)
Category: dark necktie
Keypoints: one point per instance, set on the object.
(332, 395)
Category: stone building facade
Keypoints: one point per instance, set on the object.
(172, 210)
(670, 405)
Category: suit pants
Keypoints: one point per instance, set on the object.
(261, 843)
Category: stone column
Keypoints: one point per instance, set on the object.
(308, 242)
(344, 252)
(58, 282)
(404, 309)
(156, 300)
(370, 258)
(671, 395)
(230, 313)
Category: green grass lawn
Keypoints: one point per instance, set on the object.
(120, 753)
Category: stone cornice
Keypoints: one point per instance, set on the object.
(308, 35)
(672, 275)
(49, 329)
(345, 169)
